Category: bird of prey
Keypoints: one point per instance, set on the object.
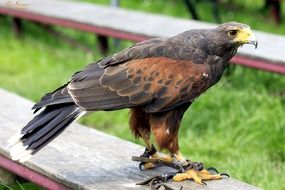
(158, 79)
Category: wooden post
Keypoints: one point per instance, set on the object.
(17, 26)
(116, 3)
(275, 8)
(215, 11)
(276, 11)
(103, 43)
(73, 42)
(191, 8)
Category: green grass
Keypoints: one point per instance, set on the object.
(20, 186)
(237, 126)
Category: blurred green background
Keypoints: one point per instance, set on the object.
(237, 126)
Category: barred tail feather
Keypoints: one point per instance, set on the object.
(42, 129)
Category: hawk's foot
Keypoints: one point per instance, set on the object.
(150, 159)
(199, 176)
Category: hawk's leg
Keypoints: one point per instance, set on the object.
(140, 125)
(151, 153)
(187, 169)
(165, 129)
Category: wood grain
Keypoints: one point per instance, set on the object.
(84, 158)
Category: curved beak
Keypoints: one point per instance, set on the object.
(246, 36)
(252, 40)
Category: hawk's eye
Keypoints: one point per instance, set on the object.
(232, 32)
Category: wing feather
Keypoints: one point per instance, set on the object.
(158, 84)
(158, 74)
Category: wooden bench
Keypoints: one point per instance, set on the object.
(83, 158)
(137, 26)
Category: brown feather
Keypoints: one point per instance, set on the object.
(157, 78)
(165, 127)
(139, 121)
(158, 83)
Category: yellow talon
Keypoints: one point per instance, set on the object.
(180, 177)
(148, 165)
(197, 176)
(156, 156)
(166, 158)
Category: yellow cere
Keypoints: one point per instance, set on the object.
(245, 35)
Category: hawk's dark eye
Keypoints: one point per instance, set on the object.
(232, 32)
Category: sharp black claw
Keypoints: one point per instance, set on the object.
(225, 174)
(213, 169)
(145, 182)
(177, 166)
(157, 186)
(204, 182)
(166, 187)
(154, 186)
(157, 181)
(147, 153)
(141, 166)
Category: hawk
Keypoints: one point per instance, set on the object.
(158, 79)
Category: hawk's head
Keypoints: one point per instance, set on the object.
(236, 34)
(224, 40)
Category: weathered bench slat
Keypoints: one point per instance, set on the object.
(84, 158)
(138, 26)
